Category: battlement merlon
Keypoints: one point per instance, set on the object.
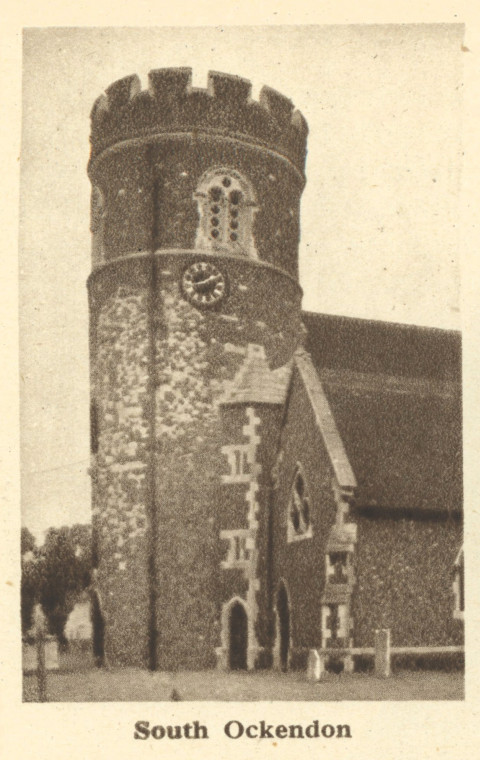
(171, 105)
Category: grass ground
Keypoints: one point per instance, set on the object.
(79, 681)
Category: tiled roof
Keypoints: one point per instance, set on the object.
(256, 383)
(394, 393)
(363, 345)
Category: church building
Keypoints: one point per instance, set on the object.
(265, 480)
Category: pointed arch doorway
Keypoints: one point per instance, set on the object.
(238, 637)
(283, 627)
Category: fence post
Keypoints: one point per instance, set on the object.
(382, 653)
(40, 645)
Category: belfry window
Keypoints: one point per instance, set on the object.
(226, 208)
(299, 515)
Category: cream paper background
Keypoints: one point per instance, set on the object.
(383, 730)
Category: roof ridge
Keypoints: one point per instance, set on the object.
(383, 322)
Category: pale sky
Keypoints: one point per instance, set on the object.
(380, 214)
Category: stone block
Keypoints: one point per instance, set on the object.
(314, 666)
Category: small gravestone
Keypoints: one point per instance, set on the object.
(51, 653)
(314, 666)
(348, 664)
(29, 656)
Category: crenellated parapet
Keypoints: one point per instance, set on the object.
(171, 105)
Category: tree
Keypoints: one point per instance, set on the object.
(27, 542)
(30, 581)
(65, 564)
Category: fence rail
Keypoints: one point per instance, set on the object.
(382, 653)
(393, 650)
(426, 650)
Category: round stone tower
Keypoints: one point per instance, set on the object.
(194, 317)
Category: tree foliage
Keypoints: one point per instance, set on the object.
(30, 578)
(56, 575)
(27, 542)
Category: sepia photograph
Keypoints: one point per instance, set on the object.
(241, 367)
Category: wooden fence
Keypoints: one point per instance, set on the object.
(382, 653)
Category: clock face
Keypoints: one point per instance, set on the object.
(203, 284)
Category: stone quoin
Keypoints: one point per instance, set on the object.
(265, 481)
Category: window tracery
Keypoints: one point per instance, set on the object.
(226, 208)
(299, 513)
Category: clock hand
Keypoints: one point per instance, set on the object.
(201, 286)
